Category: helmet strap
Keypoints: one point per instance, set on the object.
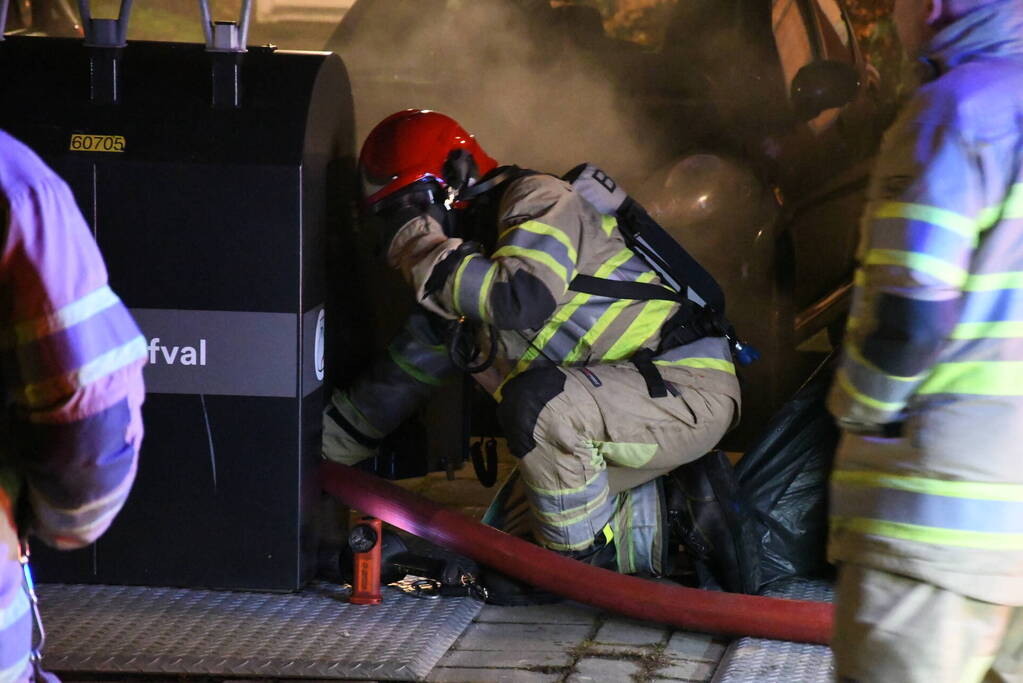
(502, 175)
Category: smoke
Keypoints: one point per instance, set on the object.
(540, 87)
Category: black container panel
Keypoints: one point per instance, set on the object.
(213, 226)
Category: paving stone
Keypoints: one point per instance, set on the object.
(629, 632)
(687, 670)
(522, 637)
(561, 613)
(619, 650)
(455, 675)
(504, 659)
(599, 670)
(695, 646)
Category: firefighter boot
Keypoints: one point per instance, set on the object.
(708, 517)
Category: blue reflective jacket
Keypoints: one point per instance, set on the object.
(935, 336)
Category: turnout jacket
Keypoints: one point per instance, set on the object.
(935, 336)
(71, 361)
(546, 234)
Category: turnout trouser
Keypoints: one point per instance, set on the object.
(591, 441)
(894, 628)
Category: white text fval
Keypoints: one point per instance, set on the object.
(176, 355)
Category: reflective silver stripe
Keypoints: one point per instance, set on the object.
(556, 266)
(567, 519)
(539, 343)
(551, 501)
(922, 509)
(987, 516)
(577, 535)
(708, 347)
(864, 383)
(52, 389)
(18, 608)
(67, 316)
(535, 235)
(992, 305)
(637, 529)
(472, 284)
(16, 671)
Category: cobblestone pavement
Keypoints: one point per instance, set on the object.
(574, 643)
(567, 642)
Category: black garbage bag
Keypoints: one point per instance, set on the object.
(784, 479)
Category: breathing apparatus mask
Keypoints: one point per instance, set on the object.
(439, 198)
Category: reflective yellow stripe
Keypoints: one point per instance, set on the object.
(1012, 207)
(559, 319)
(578, 513)
(854, 354)
(977, 667)
(603, 322)
(935, 487)
(1009, 329)
(55, 388)
(982, 540)
(411, 370)
(564, 492)
(364, 426)
(456, 288)
(567, 546)
(61, 319)
(708, 363)
(847, 386)
(510, 250)
(650, 320)
(538, 228)
(488, 281)
(987, 282)
(924, 263)
(943, 218)
(985, 378)
(608, 223)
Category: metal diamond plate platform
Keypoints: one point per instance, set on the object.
(315, 633)
(758, 660)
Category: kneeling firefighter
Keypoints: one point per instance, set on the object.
(606, 378)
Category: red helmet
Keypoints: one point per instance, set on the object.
(414, 145)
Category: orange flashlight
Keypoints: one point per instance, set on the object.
(364, 540)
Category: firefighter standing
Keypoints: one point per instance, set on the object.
(575, 373)
(927, 492)
(72, 379)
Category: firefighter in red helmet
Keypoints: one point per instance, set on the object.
(598, 395)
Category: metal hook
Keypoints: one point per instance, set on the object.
(225, 36)
(105, 32)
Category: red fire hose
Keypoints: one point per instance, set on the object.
(688, 608)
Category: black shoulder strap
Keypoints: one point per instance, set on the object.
(477, 221)
(616, 289)
(499, 176)
(644, 234)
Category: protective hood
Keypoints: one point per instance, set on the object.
(995, 30)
